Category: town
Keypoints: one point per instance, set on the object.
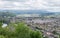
(49, 25)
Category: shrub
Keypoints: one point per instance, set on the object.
(20, 30)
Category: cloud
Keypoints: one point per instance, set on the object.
(53, 5)
(16, 0)
(15, 5)
(49, 5)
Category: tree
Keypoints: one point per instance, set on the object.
(20, 30)
(36, 34)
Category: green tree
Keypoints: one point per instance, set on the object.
(20, 30)
(36, 34)
(1, 36)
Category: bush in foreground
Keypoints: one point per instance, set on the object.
(19, 30)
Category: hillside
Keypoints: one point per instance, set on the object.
(41, 12)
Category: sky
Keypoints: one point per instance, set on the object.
(49, 5)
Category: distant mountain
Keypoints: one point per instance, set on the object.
(41, 12)
(6, 14)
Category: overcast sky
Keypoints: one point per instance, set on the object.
(49, 5)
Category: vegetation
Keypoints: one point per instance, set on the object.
(19, 30)
(7, 14)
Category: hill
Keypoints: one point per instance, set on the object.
(41, 12)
